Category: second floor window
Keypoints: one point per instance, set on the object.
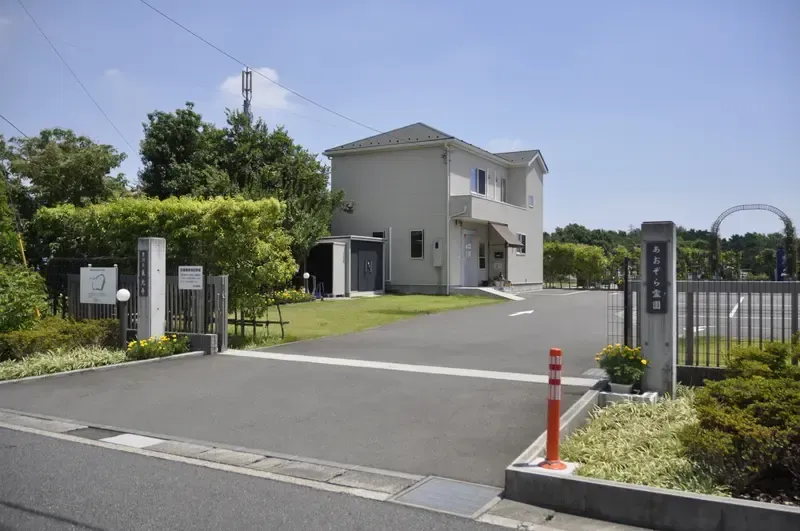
(478, 181)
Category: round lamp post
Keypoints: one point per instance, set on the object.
(123, 296)
(305, 280)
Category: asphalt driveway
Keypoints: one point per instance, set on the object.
(483, 337)
(456, 427)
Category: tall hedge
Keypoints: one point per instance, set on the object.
(241, 238)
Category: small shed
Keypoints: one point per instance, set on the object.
(347, 265)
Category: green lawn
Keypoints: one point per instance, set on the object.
(310, 320)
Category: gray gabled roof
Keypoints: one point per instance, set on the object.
(419, 132)
(414, 133)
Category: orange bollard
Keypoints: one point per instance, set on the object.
(551, 461)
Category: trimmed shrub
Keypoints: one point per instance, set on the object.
(52, 333)
(773, 361)
(241, 238)
(288, 296)
(22, 294)
(157, 347)
(59, 360)
(748, 435)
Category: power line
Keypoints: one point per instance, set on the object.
(71, 71)
(9, 122)
(229, 56)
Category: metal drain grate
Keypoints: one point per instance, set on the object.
(449, 496)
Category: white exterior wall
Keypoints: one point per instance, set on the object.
(528, 269)
(405, 189)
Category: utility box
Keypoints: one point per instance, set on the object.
(438, 252)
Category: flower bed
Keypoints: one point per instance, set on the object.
(157, 347)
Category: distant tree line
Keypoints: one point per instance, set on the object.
(593, 256)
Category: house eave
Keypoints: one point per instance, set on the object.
(387, 147)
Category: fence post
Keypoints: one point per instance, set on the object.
(689, 337)
(626, 308)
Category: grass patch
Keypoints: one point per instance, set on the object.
(59, 360)
(312, 320)
(638, 443)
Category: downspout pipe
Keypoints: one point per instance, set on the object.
(447, 228)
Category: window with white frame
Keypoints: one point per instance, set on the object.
(503, 189)
(531, 201)
(481, 255)
(478, 181)
(523, 239)
(418, 244)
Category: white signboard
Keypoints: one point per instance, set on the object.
(190, 277)
(99, 285)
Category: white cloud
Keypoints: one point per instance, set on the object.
(112, 72)
(5, 21)
(266, 95)
(500, 145)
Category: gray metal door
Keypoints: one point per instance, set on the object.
(367, 270)
(470, 258)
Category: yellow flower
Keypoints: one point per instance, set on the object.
(597, 358)
(174, 340)
(644, 362)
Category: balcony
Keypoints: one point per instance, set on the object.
(479, 208)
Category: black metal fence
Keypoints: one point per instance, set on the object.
(714, 316)
(190, 311)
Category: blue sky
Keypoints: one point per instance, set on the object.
(643, 110)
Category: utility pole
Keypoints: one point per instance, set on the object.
(247, 90)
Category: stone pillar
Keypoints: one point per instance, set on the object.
(151, 287)
(659, 296)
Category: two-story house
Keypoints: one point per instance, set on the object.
(451, 214)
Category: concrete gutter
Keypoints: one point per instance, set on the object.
(634, 505)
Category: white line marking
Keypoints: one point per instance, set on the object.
(733, 312)
(132, 440)
(362, 493)
(520, 313)
(421, 369)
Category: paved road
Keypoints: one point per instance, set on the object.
(450, 426)
(49, 484)
(487, 338)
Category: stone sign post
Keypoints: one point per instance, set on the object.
(151, 286)
(659, 298)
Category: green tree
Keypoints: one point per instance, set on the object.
(263, 163)
(59, 167)
(590, 264)
(9, 246)
(180, 156)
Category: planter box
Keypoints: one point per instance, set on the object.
(619, 388)
(605, 398)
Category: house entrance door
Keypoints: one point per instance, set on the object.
(469, 259)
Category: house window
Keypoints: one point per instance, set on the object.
(503, 189)
(523, 239)
(378, 234)
(418, 244)
(531, 201)
(478, 181)
(481, 255)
